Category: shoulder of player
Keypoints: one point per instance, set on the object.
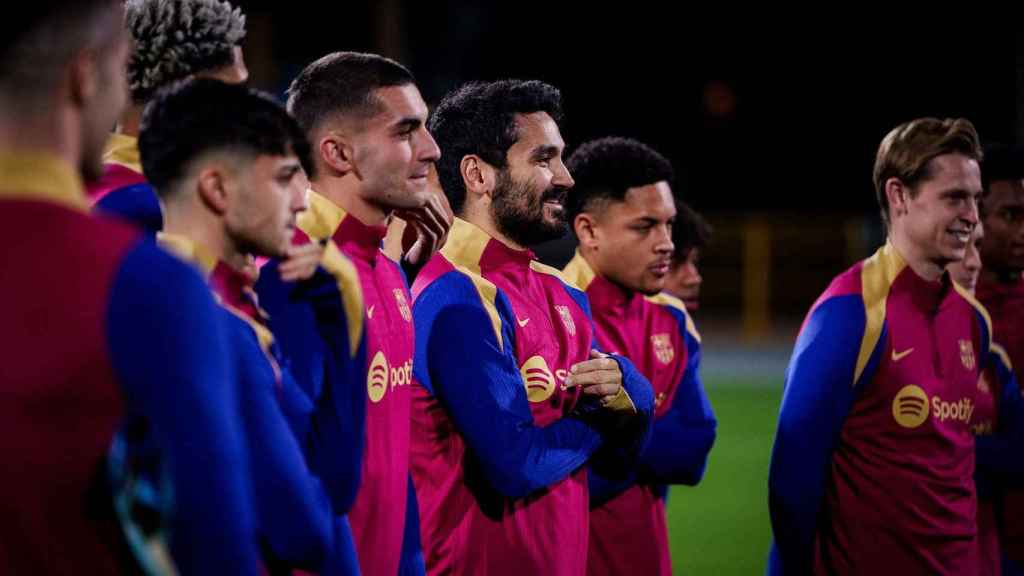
(452, 285)
(980, 312)
(676, 308)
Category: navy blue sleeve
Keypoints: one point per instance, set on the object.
(626, 433)
(681, 439)
(412, 563)
(293, 513)
(999, 454)
(137, 203)
(170, 356)
(602, 488)
(485, 397)
(817, 397)
(343, 560)
(683, 436)
(309, 324)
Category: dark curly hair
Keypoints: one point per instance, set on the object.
(479, 118)
(604, 169)
(690, 231)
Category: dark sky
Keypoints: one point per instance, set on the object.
(770, 112)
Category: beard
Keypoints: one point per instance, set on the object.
(518, 212)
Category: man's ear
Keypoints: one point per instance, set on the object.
(478, 176)
(336, 153)
(897, 193)
(83, 72)
(585, 226)
(213, 189)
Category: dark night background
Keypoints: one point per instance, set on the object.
(769, 117)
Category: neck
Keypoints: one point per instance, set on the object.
(914, 256)
(54, 131)
(591, 259)
(344, 192)
(479, 214)
(130, 120)
(205, 229)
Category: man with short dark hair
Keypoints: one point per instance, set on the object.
(690, 236)
(512, 399)
(93, 332)
(623, 213)
(366, 123)
(1001, 290)
(226, 162)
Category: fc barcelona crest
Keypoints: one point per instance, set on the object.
(563, 311)
(967, 354)
(403, 306)
(663, 348)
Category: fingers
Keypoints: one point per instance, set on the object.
(433, 220)
(593, 377)
(603, 391)
(431, 224)
(300, 262)
(595, 364)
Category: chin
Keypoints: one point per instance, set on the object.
(271, 250)
(556, 228)
(415, 198)
(955, 255)
(651, 288)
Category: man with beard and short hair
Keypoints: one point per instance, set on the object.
(512, 399)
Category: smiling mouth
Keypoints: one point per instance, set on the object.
(963, 236)
(553, 208)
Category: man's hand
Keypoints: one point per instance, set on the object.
(300, 262)
(426, 230)
(600, 377)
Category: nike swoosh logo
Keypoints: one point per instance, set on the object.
(897, 356)
(522, 322)
(369, 312)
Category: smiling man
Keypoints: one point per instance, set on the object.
(873, 457)
(366, 123)
(511, 398)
